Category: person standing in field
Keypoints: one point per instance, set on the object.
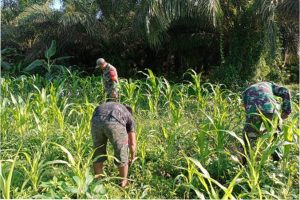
(260, 98)
(114, 122)
(110, 80)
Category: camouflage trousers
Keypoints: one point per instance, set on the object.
(105, 128)
(252, 130)
(112, 94)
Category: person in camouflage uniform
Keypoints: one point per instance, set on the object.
(110, 79)
(114, 122)
(260, 98)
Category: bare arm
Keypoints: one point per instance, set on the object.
(132, 145)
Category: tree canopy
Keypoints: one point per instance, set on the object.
(243, 39)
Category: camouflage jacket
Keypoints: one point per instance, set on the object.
(109, 83)
(261, 96)
(117, 111)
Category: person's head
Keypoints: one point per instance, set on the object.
(129, 109)
(101, 63)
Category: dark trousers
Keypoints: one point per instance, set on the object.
(252, 130)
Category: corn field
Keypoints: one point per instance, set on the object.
(188, 136)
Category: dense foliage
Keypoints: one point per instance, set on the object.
(188, 132)
(187, 135)
(228, 40)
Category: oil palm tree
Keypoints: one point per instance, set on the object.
(241, 29)
(180, 31)
(38, 24)
(82, 28)
(156, 17)
(276, 14)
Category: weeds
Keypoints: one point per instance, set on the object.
(186, 134)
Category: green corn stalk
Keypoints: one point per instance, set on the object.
(197, 123)
(215, 129)
(153, 85)
(80, 168)
(143, 153)
(167, 91)
(131, 93)
(5, 182)
(176, 112)
(5, 124)
(204, 177)
(258, 156)
(182, 92)
(202, 142)
(196, 86)
(289, 130)
(21, 113)
(35, 168)
(195, 169)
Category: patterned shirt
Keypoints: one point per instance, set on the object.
(260, 96)
(109, 84)
(118, 112)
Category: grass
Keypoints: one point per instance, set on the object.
(187, 138)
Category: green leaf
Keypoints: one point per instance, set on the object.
(198, 164)
(13, 99)
(89, 178)
(198, 193)
(70, 157)
(57, 162)
(228, 192)
(99, 189)
(241, 141)
(34, 65)
(63, 58)
(72, 189)
(2, 179)
(7, 184)
(8, 51)
(60, 67)
(51, 51)
(77, 180)
(6, 65)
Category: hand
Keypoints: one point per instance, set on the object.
(132, 160)
(284, 116)
(114, 95)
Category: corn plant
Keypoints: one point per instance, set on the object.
(185, 136)
(258, 156)
(21, 113)
(290, 131)
(5, 180)
(196, 86)
(81, 173)
(153, 85)
(35, 167)
(131, 93)
(196, 170)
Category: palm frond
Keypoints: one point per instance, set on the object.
(157, 15)
(266, 12)
(36, 13)
(273, 14)
(289, 10)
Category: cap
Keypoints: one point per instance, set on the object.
(99, 62)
